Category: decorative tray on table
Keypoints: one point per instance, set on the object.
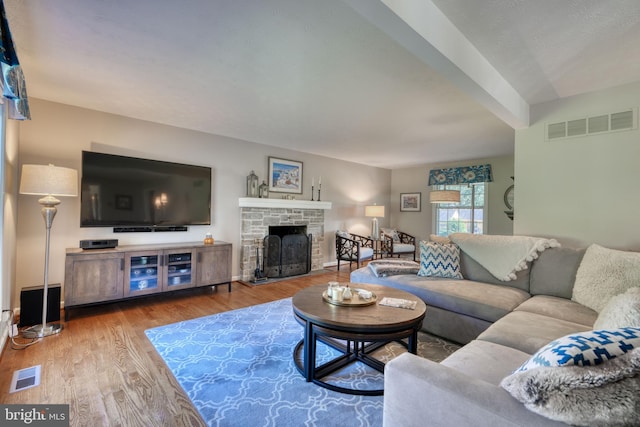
(355, 301)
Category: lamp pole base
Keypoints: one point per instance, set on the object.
(37, 331)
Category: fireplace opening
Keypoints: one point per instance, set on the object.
(287, 251)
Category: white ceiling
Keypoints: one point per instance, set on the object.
(388, 83)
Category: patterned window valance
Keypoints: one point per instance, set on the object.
(463, 175)
(13, 85)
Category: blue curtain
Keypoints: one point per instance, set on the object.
(14, 88)
(462, 175)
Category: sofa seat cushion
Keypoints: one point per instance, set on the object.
(475, 299)
(559, 308)
(528, 332)
(487, 361)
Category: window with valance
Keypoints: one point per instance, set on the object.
(467, 215)
(461, 175)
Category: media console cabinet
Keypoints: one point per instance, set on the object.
(107, 275)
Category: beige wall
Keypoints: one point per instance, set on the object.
(580, 190)
(58, 133)
(416, 179)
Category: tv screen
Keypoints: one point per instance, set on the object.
(120, 191)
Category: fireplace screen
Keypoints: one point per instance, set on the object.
(287, 251)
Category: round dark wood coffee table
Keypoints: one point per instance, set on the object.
(354, 331)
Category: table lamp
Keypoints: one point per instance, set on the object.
(47, 181)
(374, 212)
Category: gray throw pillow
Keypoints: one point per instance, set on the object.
(621, 311)
(604, 395)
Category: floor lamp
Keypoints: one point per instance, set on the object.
(47, 181)
(374, 212)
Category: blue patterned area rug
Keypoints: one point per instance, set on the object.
(237, 368)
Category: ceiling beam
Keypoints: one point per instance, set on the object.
(421, 28)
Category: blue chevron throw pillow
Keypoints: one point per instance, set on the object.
(439, 260)
(585, 348)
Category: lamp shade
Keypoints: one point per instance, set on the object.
(374, 211)
(444, 196)
(45, 180)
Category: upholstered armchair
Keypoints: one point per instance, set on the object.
(353, 248)
(396, 243)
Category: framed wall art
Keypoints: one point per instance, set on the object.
(285, 176)
(410, 202)
(124, 202)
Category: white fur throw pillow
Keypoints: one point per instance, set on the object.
(604, 273)
(604, 395)
(621, 311)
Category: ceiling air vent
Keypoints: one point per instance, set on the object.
(557, 130)
(598, 124)
(612, 122)
(576, 127)
(622, 121)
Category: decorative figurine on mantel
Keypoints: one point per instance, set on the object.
(252, 185)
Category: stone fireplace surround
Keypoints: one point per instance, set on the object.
(258, 214)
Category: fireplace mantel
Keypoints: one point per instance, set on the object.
(254, 202)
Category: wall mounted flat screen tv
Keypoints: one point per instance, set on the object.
(120, 191)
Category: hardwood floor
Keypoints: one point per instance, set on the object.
(104, 367)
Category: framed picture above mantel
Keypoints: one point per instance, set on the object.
(410, 202)
(285, 176)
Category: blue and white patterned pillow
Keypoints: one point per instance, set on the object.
(438, 260)
(585, 348)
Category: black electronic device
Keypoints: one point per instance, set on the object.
(99, 244)
(31, 305)
(134, 194)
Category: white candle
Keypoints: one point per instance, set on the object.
(320, 180)
(313, 181)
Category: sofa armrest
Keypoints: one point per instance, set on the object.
(419, 392)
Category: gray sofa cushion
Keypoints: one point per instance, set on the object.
(420, 392)
(554, 272)
(480, 300)
(473, 271)
(529, 332)
(453, 326)
(559, 308)
(487, 361)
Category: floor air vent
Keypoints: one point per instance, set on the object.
(613, 122)
(25, 378)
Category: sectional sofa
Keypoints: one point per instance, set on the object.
(502, 324)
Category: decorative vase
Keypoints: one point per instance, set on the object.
(263, 191)
(208, 239)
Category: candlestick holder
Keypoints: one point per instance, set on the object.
(312, 193)
(319, 188)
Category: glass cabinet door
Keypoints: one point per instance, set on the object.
(143, 273)
(180, 269)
